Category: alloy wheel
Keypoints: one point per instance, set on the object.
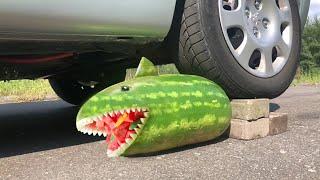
(259, 33)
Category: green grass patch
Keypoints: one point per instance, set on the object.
(25, 91)
(311, 78)
(38, 90)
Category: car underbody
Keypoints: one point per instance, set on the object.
(90, 32)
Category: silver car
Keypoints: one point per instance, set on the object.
(250, 47)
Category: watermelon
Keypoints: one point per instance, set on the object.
(156, 112)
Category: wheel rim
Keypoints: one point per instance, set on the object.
(259, 33)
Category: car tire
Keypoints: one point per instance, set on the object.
(208, 45)
(72, 91)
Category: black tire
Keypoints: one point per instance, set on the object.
(72, 91)
(204, 51)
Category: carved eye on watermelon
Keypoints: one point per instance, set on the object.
(119, 127)
(125, 88)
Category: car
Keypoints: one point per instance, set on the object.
(249, 47)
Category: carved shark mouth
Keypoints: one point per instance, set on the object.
(119, 127)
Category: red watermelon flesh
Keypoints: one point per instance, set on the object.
(117, 127)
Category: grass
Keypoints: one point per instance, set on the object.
(25, 91)
(311, 78)
(38, 90)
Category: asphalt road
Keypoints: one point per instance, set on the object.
(39, 141)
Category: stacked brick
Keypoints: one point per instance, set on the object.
(251, 119)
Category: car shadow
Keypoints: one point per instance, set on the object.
(38, 126)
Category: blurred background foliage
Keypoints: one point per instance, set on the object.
(310, 56)
(309, 70)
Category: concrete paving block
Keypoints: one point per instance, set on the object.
(249, 130)
(278, 123)
(250, 109)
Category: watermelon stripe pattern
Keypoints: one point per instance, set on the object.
(182, 109)
(155, 112)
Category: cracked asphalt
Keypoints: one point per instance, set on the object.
(39, 141)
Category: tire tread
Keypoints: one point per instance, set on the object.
(194, 50)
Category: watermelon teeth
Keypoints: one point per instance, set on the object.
(111, 114)
(137, 130)
(128, 141)
(143, 120)
(89, 131)
(123, 126)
